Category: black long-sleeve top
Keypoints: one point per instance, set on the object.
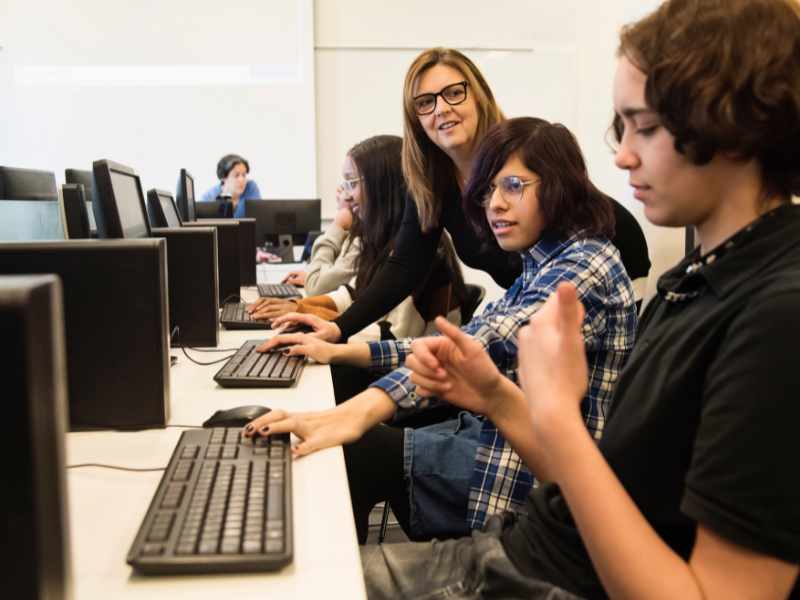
(414, 252)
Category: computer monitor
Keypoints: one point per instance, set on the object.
(119, 202)
(214, 209)
(162, 210)
(284, 217)
(35, 554)
(86, 178)
(184, 196)
(75, 211)
(27, 184)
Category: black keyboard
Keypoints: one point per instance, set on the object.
(235, 316)
(248, 368)
(278, 290)
(224, 505)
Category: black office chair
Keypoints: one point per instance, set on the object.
(472, 300)
(27, 184)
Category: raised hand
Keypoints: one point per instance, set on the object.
(454, 367)
(552, 358)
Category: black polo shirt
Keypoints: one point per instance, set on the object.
(704, 424)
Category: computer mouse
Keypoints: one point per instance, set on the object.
(235, 417)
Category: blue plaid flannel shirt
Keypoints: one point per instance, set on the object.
(500, 480)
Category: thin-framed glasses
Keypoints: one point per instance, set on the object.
(453, 94)
(511, 190)
(350, 185)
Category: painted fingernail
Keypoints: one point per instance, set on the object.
(249, 428)
(285, 351)
(264, 429)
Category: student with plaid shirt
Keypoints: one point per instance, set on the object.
(445, 479)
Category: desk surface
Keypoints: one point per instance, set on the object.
(106, 506)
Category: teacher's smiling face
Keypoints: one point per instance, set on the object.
(453, 118)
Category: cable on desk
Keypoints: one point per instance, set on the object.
(116, 467)
(213, 362)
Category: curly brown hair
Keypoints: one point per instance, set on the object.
(724, 76)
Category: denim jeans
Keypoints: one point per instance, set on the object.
(468, 568)
(439, 461)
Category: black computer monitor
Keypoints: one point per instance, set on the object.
(162, 210)
(283, 217)
(75, 211)
(184, 196)
(214, 209)
(118, 202)
(86, 178)
(35, 554)
(27, 184)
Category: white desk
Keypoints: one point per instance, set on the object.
(106, 507)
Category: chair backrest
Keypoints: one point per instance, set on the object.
(473, 299)
(632, 245)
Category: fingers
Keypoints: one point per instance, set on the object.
(287, 339)
(432, 387)
(251, 308)
(264, 421)
(296, 317)
(570, 309)
(422, 353)
(462, 341)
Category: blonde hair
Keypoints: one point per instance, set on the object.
(428, 171)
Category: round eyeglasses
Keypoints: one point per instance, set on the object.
(453, 94)
(511, 190)
(350, 185)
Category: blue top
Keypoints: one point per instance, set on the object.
(251, 192)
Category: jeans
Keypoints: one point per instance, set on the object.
(468, 568)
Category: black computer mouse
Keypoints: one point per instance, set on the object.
(235, 417)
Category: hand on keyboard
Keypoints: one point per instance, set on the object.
(270, 308)
(300, 344)
(316, 431)
(322, 329)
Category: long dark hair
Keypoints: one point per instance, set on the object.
(383, 200)
(568, 201)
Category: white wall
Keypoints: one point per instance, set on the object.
(549, 59)
(161, 85)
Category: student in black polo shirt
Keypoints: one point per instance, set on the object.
(693, 492)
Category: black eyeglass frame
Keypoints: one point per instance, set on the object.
(464, 84)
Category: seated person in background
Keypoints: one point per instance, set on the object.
(233, 186)
(693, 491)
(331, 258)
(377, 195)
(531, 190)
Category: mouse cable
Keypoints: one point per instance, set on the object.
(116, 467)
(213, 362)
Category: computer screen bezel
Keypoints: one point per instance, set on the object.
(67, 190)
(109, 225)
(263, 211)
(155, 208)
(186, 210)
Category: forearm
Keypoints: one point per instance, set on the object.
(369, 408)
(357, 355)
(627, 553)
